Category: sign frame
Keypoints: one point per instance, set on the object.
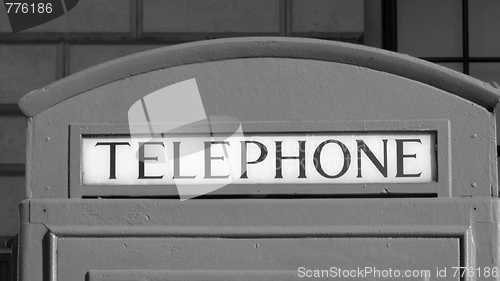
(439, 188)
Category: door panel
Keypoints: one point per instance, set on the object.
(176, 258)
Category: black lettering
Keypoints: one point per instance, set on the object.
(400, 158)
(382, 168)
(301, 157)
(209, 158)
(263, 155)
(142, 158)
(317, 162)
(177, 164)
(112, 156)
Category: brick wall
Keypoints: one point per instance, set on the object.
(96, 31)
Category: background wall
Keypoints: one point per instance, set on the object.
(459, 34)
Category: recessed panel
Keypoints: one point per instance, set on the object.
(163, 258)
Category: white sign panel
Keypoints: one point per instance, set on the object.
(260, 158)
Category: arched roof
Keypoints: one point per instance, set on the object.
(412, 68)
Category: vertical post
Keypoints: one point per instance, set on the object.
(50, 254)
(465, 34)
(389, 25)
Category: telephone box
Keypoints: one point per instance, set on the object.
(300, 159)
